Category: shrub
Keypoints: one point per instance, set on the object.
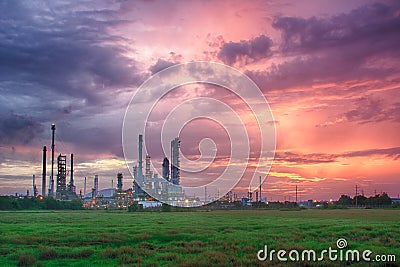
(109, 253)
(26, 259)
(46, 253)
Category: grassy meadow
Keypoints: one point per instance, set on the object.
(201, 238)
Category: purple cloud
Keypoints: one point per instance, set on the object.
(254, 49)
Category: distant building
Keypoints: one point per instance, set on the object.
(396, 200)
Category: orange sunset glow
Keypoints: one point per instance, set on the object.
(329, 70)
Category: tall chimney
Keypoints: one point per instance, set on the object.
(260, 189)
(33, 185)
(44, 171)
(71, 182)
(53, 129)
(84, 189)
(96, 184)
(140, 174)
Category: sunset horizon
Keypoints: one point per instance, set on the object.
(328, 71)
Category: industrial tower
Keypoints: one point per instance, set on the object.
(51, 190)
(175, 171)
(138, 178)
(120, 184)
(44, 165)
(165, 169)
(71, 185)
(61, 176)
(96, 185)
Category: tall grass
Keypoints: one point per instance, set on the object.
(217, 238)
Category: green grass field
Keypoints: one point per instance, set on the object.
(216, 238)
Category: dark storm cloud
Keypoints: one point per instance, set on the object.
(59, 62)
(254, 49)
(368, 110)
(16, 129)
(349, 46)
(377, 26)
(160, 65)
(67, 63)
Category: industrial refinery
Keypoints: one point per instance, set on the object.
(147, 188)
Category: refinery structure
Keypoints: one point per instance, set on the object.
(149, 185)
(147, 188)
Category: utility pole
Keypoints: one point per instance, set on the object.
(356, 194)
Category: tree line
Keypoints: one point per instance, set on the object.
(379, 200)
(33, 203)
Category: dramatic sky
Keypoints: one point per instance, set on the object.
(330, 71)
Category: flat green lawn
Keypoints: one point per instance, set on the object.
(216, 238)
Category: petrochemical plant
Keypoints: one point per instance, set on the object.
(147, 187)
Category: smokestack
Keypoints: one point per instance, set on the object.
(33, 185)
(96, 184)
(260, 190)
(119, 184)
(44, 171)
(53, 130)
(72, 171)
(84, 188)
(140, 174)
